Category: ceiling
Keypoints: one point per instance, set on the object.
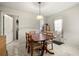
(47, 8)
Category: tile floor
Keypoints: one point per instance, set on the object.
(17, 48)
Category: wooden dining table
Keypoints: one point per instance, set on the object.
(40, 37)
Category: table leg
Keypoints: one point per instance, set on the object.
(51, 48)
(42, 52)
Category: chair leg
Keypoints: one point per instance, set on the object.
(28, 49)
(52, 45)
(6, 53)
(45, 48)
(26, 45)
(31, 51)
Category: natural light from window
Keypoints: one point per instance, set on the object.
(58, 25)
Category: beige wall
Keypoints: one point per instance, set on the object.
(70, 24)
(27, 21)
(0, 23)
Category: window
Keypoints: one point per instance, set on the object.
(41, 24)
(58, 28)
(58, 25)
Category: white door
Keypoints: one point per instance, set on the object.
(8, 28)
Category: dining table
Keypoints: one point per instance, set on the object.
(40, 37)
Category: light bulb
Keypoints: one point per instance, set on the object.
(39, 17)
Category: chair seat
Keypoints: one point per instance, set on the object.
(37, 45)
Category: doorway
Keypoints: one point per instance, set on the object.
(17, 28)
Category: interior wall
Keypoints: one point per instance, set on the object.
(0, 22)
(27, 21)
(70, 25)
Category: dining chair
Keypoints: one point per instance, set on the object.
(27, 35)
(32, 45)
(50, 38)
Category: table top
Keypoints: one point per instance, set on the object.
(38, 37)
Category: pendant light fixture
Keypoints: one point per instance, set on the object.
(39, 16)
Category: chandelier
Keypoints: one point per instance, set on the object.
(39, 16)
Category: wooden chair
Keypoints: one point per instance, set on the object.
(3, 50)
(32, 45)
(46, 30)
(50, 38)
(27, 35)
